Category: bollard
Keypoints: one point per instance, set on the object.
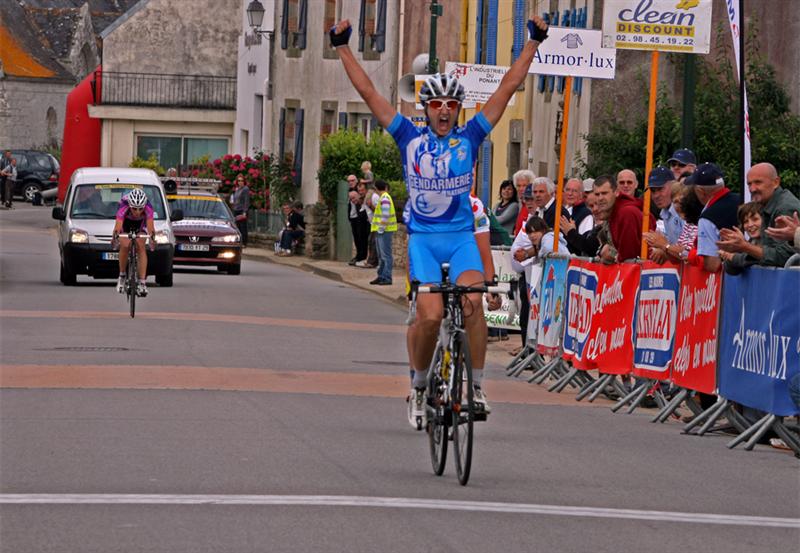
(344, 236)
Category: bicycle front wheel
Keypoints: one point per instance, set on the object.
(462, 407)
(438, 414)
(131, 286)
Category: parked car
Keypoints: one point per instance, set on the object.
(86, 223)
(36, 172)
(207, 234)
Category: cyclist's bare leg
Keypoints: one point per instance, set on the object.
(124, 246)
(142, 254)
(422, 334)
(474, 321)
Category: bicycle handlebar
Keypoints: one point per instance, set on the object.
(501, 288)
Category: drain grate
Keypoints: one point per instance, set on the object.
(101, 349)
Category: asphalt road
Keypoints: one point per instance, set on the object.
(265, 412)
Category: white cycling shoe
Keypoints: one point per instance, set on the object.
(479, 398)
(141, 289)
(121, 283)
(416, 408)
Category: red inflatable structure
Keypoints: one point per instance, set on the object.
(81, 145)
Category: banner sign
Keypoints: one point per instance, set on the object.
(581, 291)
(507, 316)
(570, 51)
(734, 9)
(760, 339)
(480, 81)
(610, 346)
(695, 350)
(533, 279)
(656, 319)
(664, 25)
(552, 304)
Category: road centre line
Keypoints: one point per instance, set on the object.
(207, 317)
(398, 503)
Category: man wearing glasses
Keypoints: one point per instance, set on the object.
(135, 213)
(682, 162)
(438, 167)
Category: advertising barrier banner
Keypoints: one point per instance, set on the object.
(610, 345)
(656, 319)
(760, 339)
(578, 311)
(695, 349)
(533, 279)
(507, 316)
(552, 305)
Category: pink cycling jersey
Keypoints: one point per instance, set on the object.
(124, 212)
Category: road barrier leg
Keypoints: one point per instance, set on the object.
(790, 438)
(559, 386)
(670, 408)
(633, 393)
(639, 398)
(550, 367)
(721, 402)
(755, 431)
(596, 386)
(714, 418)
(524, 352)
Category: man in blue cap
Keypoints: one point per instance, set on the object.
(720, 211)
(665, 242)
(682, 162)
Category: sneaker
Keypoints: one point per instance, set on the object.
(416, 408)
(479, 397)
(363, 264)
(141, 289)
(121, 283)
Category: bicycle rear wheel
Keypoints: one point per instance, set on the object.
(438, 415)
(463, 408)
(131, 286)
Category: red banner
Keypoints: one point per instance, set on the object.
(695, 353)
(610, 346)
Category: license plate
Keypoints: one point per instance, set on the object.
(111, 256)
(194, 247)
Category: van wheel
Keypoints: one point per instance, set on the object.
(67, 278)
(234, 269)
(165, 280)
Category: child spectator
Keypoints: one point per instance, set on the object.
(750, 222)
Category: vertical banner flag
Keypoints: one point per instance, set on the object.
(695, 355)
(656, 319)
(610, 346)
(734, 10)
(552, 304)
(581, 291)
(507, 316)
(533, 278)
(760, 339)
(664, 25)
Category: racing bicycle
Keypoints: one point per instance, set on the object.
(132, 268)
(451, 410)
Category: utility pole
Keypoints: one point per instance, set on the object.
(436, 11)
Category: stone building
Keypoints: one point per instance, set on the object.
(47, 47)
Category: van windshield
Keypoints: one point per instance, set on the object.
(101, 201)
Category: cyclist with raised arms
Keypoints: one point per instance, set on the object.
(438, 167)
(134, 213)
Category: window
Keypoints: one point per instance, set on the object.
(328, 120)
(329, 19)
(294, 24)
(372, 28)
(172, 151)
(258, 120)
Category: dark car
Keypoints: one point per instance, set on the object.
(207, 235)
(36, 172)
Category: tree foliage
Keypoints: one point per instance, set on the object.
(774, 130)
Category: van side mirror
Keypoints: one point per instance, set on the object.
(58, 213)
(176, 215)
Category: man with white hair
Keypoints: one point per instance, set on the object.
(574, 204)
(627, 183)
(522, 179)
(544, 196)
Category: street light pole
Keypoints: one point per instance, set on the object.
(436, 11)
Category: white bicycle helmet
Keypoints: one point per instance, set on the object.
(137, 198)
(441, 85)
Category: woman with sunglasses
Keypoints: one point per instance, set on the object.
(134, 214)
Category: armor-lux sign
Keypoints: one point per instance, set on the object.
(569, 51)
(581, 291)
(663, 25)
(610, 346)
(760, 339)
(656, 318)
(695, 351)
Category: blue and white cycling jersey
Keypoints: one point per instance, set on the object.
(439, 173)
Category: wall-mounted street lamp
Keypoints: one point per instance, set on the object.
(255, 17)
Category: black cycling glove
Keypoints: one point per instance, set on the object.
(340, 39)
(535, 32)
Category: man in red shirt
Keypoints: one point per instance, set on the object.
(624, 215)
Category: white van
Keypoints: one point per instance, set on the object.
(86, 222)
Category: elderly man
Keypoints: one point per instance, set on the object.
(522, 179)
(664, 243)
(574, 204)
(721, 207)
(682, 162)
(544, 197)
(627, 183)
(624, 215)
(765, 188)
(587, 243)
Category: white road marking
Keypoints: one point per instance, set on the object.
(396, 503)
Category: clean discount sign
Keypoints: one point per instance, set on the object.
(664, 25)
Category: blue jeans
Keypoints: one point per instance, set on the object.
(794, 389)
(383, 243)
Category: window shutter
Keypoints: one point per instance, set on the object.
(342, 120)
(361, 17)
(379, 39)
(282, 135)
(302, 26)
(298, 146)
(285, 25)
(519, 29)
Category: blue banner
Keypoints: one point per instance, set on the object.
(656, 318)
(759, 349)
